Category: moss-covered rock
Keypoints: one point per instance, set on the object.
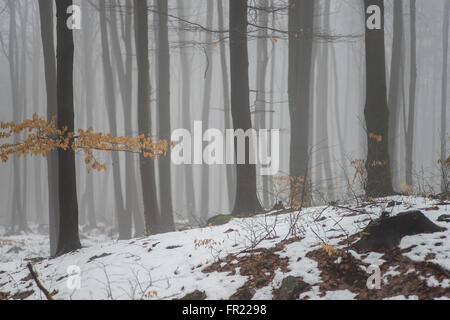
(219, 220)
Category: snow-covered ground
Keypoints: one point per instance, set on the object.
(255, 253)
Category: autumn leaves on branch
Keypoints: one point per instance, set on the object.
(42, 137)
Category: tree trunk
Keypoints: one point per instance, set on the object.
(379, 183)
(125, 79)
(230, 170)
(396, 81)
(68, 239)
(444, 179)
(89, 86)
(48, 46)
(261, 111)
(123, 219)
(151, 213)
(206, 192)
(246, 195)
(165, 180)
(412, 98)
(301, 21)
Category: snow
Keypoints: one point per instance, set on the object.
(169, 266)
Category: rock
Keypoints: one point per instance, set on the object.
(243, 293)
(196, 295)
(291, 287)
(444, 218)
(219, 220)
(386, 233)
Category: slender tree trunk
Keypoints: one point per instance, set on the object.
(48, 45)
(206, 192)
(186, 61)
(165, 180)
(395, 82)
(151, 213)
(230, 170)
(68, 204)
(376, 111)
(324, 175)
(13, 57)
(246, 195)
(444, 182)
(261, 111)
(125, 79)
(124, 220)
(88, 66)
(412, 98)
(301, 21)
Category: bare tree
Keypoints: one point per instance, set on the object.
(246, 196)
(68, 239)
(151, 213)
(376, 111)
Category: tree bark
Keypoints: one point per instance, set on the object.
(165, 180)
(123, 219)
(301, 22)
(376, 113)
(68, 239)
(151, 213)
(246, 196)
(445, 170)
(48, 46)
(396, 81)
(409, 143)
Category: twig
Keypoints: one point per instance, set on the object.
(39, 284)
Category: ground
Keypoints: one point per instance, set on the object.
(298, 255)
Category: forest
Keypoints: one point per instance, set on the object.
(212, 149)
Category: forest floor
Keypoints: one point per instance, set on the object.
(297, 255)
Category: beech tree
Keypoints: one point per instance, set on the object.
(376, 111)
(246, 197)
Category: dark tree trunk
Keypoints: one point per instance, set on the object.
(376, 111)
(68, 239)
(301, 21)
(151, 213)
(246, 195)
(412, 98)
(165, 180)
(48, 45)
(123, 219)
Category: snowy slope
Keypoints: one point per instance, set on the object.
(222, 260)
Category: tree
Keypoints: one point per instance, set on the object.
(125, 79)
(412, 97)
(246, 196)
(396, 80)
(165, 181)
(68, 239)
(376, 113)
(301, 21)
(261, 77)
(151, 213)
(124, 219)
(444, 160)
(48, 46)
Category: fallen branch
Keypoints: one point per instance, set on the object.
(39, 284)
